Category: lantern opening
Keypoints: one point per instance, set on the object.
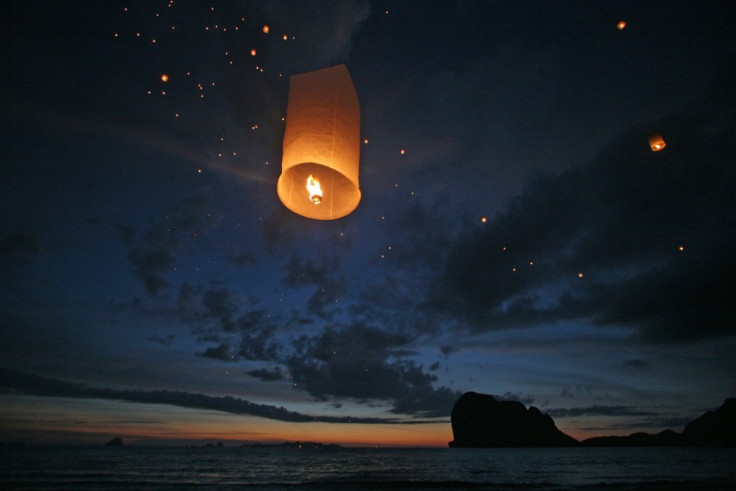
(315, 190)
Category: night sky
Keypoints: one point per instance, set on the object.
(516, 235)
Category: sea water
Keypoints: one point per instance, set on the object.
(145, 467)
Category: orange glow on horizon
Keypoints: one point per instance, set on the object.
(56, 420)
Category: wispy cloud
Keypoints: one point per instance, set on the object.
(598, 411)
(19, 382)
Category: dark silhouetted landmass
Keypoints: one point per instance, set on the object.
(479, 420)
(115, 442)
(666, 438)
(714, 428)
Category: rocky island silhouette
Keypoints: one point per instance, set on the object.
(480, 420)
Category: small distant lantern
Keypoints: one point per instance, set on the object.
(164, 78)
(656, 142)
(621, 25)
(321, 149)
(266, 29)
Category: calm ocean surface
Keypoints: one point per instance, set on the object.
(351, 468)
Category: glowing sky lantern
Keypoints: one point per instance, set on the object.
(321, 151)
(621, 25)
(164, 78)
(656, 142)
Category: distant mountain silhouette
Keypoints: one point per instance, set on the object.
(714, 428)
(666, 438)
(479, 420)
(115, 442)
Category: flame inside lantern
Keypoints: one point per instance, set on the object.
(315, 190)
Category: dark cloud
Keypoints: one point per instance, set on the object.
(151, 253)
(22, 383)
(220, 352)
(362, 363)
(162, 340)
(448, 349)
(567, 393)
(188, 299)
(518, 397)
(275, 374)
(692, 299)
(392, 300)
(654, 423)
(637, 364)
(250, 332)
(257, 341)
(326, 275)
(220, 304)
(650, 233)
(598, 411)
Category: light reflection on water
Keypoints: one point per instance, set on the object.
(550, 468)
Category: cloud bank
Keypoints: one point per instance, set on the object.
(18, 382)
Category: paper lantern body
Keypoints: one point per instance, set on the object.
(322, 139)
(656, 142)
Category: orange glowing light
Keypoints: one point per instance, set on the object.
(580, 275)
(483, 219)
(164, 78)
(321, 143)
(266, 29)
(315, 190)
(252, 52)
(621, 25)
(656, 142)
